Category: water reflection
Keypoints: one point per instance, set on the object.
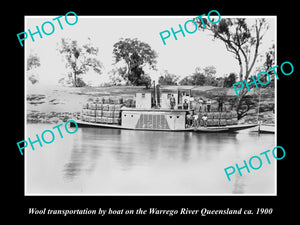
(86, 149)
(110, 161)
(131, 148)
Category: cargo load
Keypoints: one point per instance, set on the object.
(103, 110)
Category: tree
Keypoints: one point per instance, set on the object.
(229, 80)
(269, 63)
(187, 80)
(33, 62)
(242, 41)
(201, 77)
(210, 72)
(115, 76)
(198, 79)
(79, 59)
(168, 79)
(136, 55)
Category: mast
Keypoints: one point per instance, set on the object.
(154, 95)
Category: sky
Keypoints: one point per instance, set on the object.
(179, 57)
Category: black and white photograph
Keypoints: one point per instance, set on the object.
(150, 105)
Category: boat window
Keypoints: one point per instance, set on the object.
(171, 117)
(124, 115)
(177, 117)
(143, 95)
(131, 115)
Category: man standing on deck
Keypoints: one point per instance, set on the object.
(195, 120)
(172, 101)
(204, 118)
(185, 105)
(220, 105)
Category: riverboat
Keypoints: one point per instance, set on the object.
(154, 111)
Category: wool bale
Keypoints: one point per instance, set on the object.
(209, 122)
(222, 122)
(216, 115)
(216, 122)
(222, 115)
(99, 119)
(104, 119)
(111, 107)
(115, 100)
(110, 114)
(92, 105)
(110, 120)
(91, 112)
(99, 113)
(210, 115)
(233, 114)
(98, 100)
(118, 107)
(91, 119)
(99, 106)
(234, 121)
(228, 115)
(105, 107)
(105, 113)
(117, 114)
(229, 121)
(117, 120)
(84, 117)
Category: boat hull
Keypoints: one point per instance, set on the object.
(266, 129)
(231, 128)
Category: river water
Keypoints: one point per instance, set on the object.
(95, 161)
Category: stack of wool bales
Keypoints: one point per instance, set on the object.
(210, 118)
(220, 118)
(234, 118)
(106, 110)
(89, 112)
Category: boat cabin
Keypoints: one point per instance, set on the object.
(157, 119)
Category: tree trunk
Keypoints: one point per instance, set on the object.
(75, 79)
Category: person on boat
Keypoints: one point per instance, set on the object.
(199, 118)
(189, 119)
(195, 120)
(204, 119)
(208, 105)
(185, 105)
(172, 101)
(220, 105)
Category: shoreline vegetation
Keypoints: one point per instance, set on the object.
(54, 104)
